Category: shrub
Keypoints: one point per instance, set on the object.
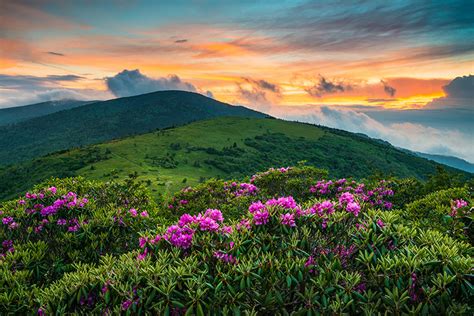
(51, 229)
(334, 247)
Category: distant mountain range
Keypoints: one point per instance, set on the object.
(23, 113)
(106, 120)
(451, 161)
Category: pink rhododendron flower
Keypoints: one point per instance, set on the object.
(227, 258)
(142, 241)
(185, 219)
(209, 224)
(144, 214)
(346, 198)
(380, 223)
(256, 206)
(126, 305)
(133, 212)
(460, 203)
(216, 215)
(7, 220)
(353, 208)
(244, 223)
(53, 190)
(261, 217)
(227, 230)
(288, 219)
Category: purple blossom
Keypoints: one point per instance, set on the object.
(227, 258)
(185, 220)
(216, 215)
(53, 190)
(261, 217)
(7, 220)
(288, 219)
(133, 212)
(256, 206)
(353, 207)
(126, 304)
(61, 222)
(209, 224)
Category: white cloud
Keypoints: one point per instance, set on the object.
(417, 137)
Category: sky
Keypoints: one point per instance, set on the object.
(396, 70)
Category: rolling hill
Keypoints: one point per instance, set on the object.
(169, 159)
(107, 120)
(26, 112)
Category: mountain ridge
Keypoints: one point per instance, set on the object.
(105, 120)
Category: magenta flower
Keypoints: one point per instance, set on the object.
(244, 223)
(380, 223)
(7, 220)
(133, 212)
(185, 220)
(126, 305)
(142, 241)
(288, 219)
(227, 258)
(209, 224)
(354, 208)
(13, 225)
(53, 190)
(227, 230)
(256, 206)
(61, 222)
(261, 217)
(74, 228)
(144, 214)
(460, 203)
(346, 198)
(216, 215)
(143, 255)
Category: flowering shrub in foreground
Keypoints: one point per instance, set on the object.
(334, 252)
(52, 228)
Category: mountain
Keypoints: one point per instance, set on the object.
(107, 120)
(451, 161)
(170, 159)
(23, 113)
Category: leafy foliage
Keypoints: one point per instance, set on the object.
(334, 247)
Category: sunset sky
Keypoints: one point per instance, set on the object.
(294, 59)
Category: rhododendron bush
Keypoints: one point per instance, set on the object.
(330, 247)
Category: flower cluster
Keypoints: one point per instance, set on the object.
(224, 257)
(242, 189)
(47, 209)
(181, 234)
(375, 197)
(456, 205)
(269, 171)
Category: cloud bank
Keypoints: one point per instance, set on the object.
(417, 137)
(133, 82)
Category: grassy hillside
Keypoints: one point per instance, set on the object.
(102, 121)
(170, 159)
(23, 113)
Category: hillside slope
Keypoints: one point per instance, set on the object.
(451, 161)
(170, 159)
(23, 113)
(103, 121)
